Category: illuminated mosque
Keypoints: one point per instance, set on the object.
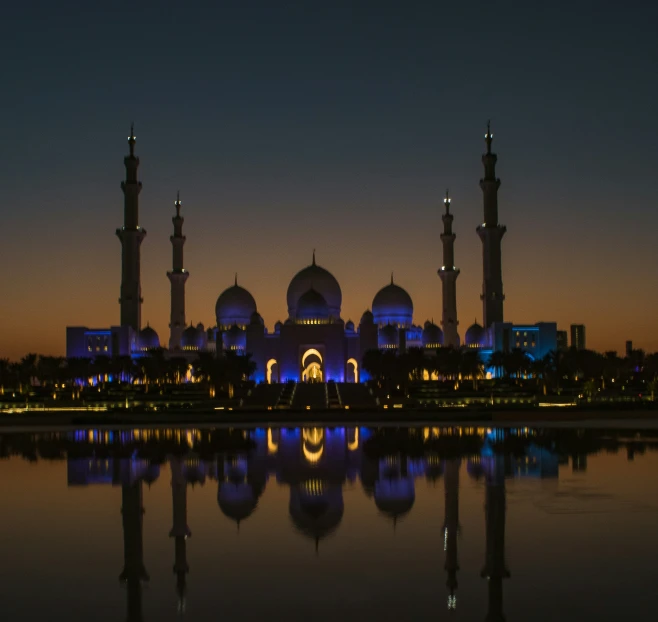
(314, 343)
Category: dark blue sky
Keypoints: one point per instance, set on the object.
(336, 126)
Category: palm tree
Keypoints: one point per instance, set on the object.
(517, 363)
(178, 367)
(497, 362)
(416, 362)
(5, 374)
(652, 385)
(27, 369)
(373, 364)
(471, 365)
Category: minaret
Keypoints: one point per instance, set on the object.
(495, 568)
(180, 531)
(177, 277)
(451, 527)
(491, 233)
(131, 236)
(449, 274)
(133, 551)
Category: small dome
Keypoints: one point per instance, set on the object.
(235, 305)
(322, 281)
(388, 337)
(432, 335)
(392, 305)
(192, 337)
(367, 317)
(256, 319)
(148, 339)
(349, 327)
(277, 327)
(312, 306)
(474, 335)
(235, 338)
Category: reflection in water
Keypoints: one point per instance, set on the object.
(316, 464)
(451, 528)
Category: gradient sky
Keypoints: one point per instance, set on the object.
(335, 126)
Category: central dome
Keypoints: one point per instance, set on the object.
(392, 305)
(316, 278)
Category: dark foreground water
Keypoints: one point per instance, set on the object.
(329, 524)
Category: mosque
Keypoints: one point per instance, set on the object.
(314, 343)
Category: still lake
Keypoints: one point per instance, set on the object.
(342, 523)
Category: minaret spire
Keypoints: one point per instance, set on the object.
(177, 278)
(491, 233)
(131, 236)
(448, 274)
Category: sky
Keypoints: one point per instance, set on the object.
(335, 126)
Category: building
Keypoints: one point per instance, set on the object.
(562, 340)
(314, 343)
(578, 336)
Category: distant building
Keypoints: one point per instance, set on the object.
(578, 336)
(562, 340)
(629, 349)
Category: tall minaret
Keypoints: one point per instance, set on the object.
(177, 277)
(131, 236)
(449, 274)
(451, 527)
(180, 531)
(491, 233)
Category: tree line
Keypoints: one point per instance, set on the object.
(590, 370)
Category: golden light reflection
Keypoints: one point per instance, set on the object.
(354, 445)
(272, 447)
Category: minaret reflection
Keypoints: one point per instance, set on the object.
(180, 531)
(495, 568)
(451, 527)
(134, 572)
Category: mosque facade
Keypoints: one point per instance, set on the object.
(314, 343)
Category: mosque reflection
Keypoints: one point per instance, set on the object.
(315, 463)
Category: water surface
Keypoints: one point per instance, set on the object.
(329, 523)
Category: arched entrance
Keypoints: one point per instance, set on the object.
(312, 367)
(352, 371)
(272, 374)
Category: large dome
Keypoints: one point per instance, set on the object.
(235, 305)
(392, 305)
(322, 281)
(312, 306)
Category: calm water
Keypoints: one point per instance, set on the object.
(326, 524)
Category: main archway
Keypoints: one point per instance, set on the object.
(312, 368)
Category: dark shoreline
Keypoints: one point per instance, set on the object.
(335, 417)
